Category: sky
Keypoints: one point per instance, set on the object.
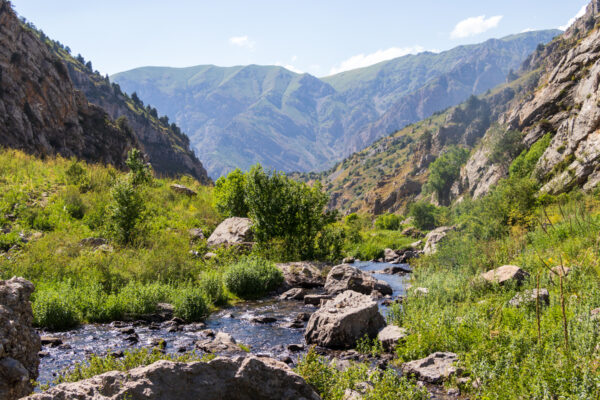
(320, 37)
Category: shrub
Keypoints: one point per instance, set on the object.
(73, 204)
(388, 221)
(424, 215)
(77, 175)
(211, 283)
(125, 212)
(141, 172)
(444, 171)
(52, 310)
(8, 240)
(230, 194)
(191, 305)
(524, 164)
(252, 277)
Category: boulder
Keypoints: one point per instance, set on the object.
(529, 297)
(506, 273)
(390, 255)
(232, 231)
(390, 335)
(344, 320)
(395, 270)
(345, 277)
(294, 294)
(434, 237)
(412, 232)
(19, 342)
(241, 378)
(221, 343)
(93, 242)
(183, 190)
(315, 299)
(434, 368)
(349, 260)
(302, 274)
(196, 234)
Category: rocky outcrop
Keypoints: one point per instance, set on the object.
(434, 368)
(233, 379)
(302, 274)
(19, 342)
(41, 112)
(346, 277)
(504, 274)
(344, 320)
(390, 335)
(232, 231)
(434, 237)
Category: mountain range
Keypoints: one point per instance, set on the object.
(239, 116)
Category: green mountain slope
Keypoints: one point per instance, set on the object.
(238, 116)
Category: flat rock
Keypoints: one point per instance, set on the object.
(294, 294)
(434, 368)
(504, 274)
(220, 343)
(241, 378)
(315, 299)
(183, 190)
(348, 260)
(390, 335)
(302, 274)
(344, 320)
(530, 297)
(346, 277)
(234, 230)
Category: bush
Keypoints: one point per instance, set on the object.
(125, 212)
(191, 305)
(140, 171)
(444, 171)
(230, 194)
(73, 204)
(211, 283)
(388, 221)
(424, 215)
(252, 277)
(8, 240)
(54, 311)
(524, 164)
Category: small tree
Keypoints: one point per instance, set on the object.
(230, 194)
(423, 214)
(141, 172)
(125, 212)
(444, 171)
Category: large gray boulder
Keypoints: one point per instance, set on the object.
(302, 274)
(19, 342)
(346, 277)
(343, 320)
(435, 368)
(504, 274)
(240, 378)
(232, 231)
(434, 237)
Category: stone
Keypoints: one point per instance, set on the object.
(93, 242)
(390, 255)
(390, 335)
(411, 232)
(210, 255)
(294, 348)
(183, 190)
(19, 341)
(529, 297)
(395, 270)
(421, 291)
(350, 394)
(220, 343)
(344, 320)
(506, 273)
(315, 299)
(196, 234)
(559, 270)
(264, 320)
(241, 378)
(294, 294)
(51, 341)
(433, 238)
(232, 231)
(435, 368)
(346, 277)
(348, 260)
(302, 274)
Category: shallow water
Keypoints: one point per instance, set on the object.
(271, 338)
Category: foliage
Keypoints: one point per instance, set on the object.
(125, 212)
(506, 145)
(54, 312)
(252, 277)
(524, 164)
(211, 283)
(423, 214)
(230, 194)
(372, 244)
(191, 304)
(141, 172)
(444, 171)
(388, 222)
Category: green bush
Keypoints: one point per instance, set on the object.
(73, 204)
(191, 304)
(252, 277)
(52, 310)
(388, 221)
(125, 212)
(140, 171)
(230, 194)
(8, 240)
(211, 284)
(444, 171)
(424, 215)
(524, 164)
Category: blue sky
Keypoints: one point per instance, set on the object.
(315, 36)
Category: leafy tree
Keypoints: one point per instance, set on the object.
(230, 194)
(506, 146)
(136, 99)
(388, 221)
(141, 172)
(424, 215)
(125, 212)
(444, 171)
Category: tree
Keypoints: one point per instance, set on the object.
(444, 171)
(230, 194)
(423, 214)
(88, 65)
(125, 212)
(136, 99)
(141, 172)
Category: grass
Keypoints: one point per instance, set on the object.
(372, 243)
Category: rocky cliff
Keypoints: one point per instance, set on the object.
(19, 342)
(40, 110)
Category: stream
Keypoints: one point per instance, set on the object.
(262, 338)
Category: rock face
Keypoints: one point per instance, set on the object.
(504, 274)
(234, 230)
(390, 335)
(237, 379)
(434, 368)
(346, 277)
(434, 237)
(302, 274)
(40, 110)
(19, 342)
(344, 320)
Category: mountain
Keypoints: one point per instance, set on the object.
(53, 103)
(238, 116)
(542, 124)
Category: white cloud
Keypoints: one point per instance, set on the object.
(289, 67)
(242, 41)
(527, 30)
(294, 58)
(474, 26)
(572, 20)
(364, 60)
